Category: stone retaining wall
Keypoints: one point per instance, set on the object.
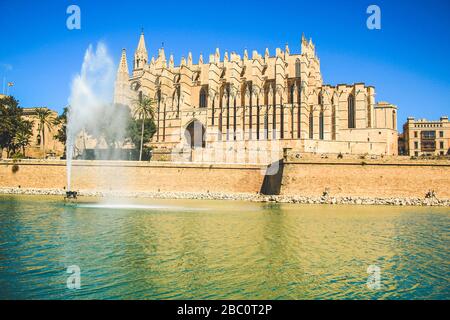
(346, 181)
(133, 176)
(341, 178)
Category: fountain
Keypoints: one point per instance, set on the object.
(91, 112)
(71, 195)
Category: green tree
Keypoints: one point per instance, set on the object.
(134, 133)
(108, 125)
(45, 120)
(61, 123)
(23, 136)
(11, 123)
(143, 109)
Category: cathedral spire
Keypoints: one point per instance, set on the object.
(141, 55)
(121, 86)
(123, 65)
(141, 45)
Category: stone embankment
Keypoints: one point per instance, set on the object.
(254, 197)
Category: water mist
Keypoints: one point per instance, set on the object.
(92, 113)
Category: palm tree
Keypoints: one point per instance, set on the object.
(143, 109)
(45, 119)
(23, 135)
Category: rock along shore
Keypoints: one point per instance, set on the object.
(349, 200)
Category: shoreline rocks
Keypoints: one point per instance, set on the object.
(345, 200)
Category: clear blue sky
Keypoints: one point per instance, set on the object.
(407, 60)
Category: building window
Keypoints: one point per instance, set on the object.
(266, 125)
(228, 114)
(291, 97)
(203, 98)
(416, 145)
(234, 119)
(333, 120)
(321, 124)
(257, 118)
(297, 68)
(441, 134)
(311, 124)
(394, 120)
(428, 134)
(299, 112)
(351, 111)
(415, 134)
(441, 145)
(212, 113)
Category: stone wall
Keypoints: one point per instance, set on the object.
(365, 178)
(305, 177)
(134, 176)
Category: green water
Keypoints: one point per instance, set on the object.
(221, 250)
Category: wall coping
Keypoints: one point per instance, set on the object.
(370, 163)
(152, 164)
(168, 164)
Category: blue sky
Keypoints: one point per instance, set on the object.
(407, 60)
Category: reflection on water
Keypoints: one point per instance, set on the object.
(220, 250)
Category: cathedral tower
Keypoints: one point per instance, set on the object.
(121, 91)
(141, 55)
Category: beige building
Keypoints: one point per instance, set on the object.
(238, 100)
(53, 148)
(424, 137)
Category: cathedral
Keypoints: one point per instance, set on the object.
(252, 102)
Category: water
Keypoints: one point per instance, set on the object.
(91, 113)
(220, 250)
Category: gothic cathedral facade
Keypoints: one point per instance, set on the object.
(237, 100)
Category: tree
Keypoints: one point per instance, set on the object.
(45, 120)
(11, 125)
(61, 123)
(134, 133)
(23, 136)
(111, 127)
(143, 109)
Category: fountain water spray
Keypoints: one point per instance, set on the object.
(91, 112)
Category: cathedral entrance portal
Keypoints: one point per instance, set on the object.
(195, 135)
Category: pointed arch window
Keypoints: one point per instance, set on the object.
(299, 111)
(291, 93)
(333, 120)
(321, 124)
(351, 111)
(258, 119)
(297, 68)
(203, 98)
(311, 124)
(234, 119)
(394, 122)
(178, 101)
